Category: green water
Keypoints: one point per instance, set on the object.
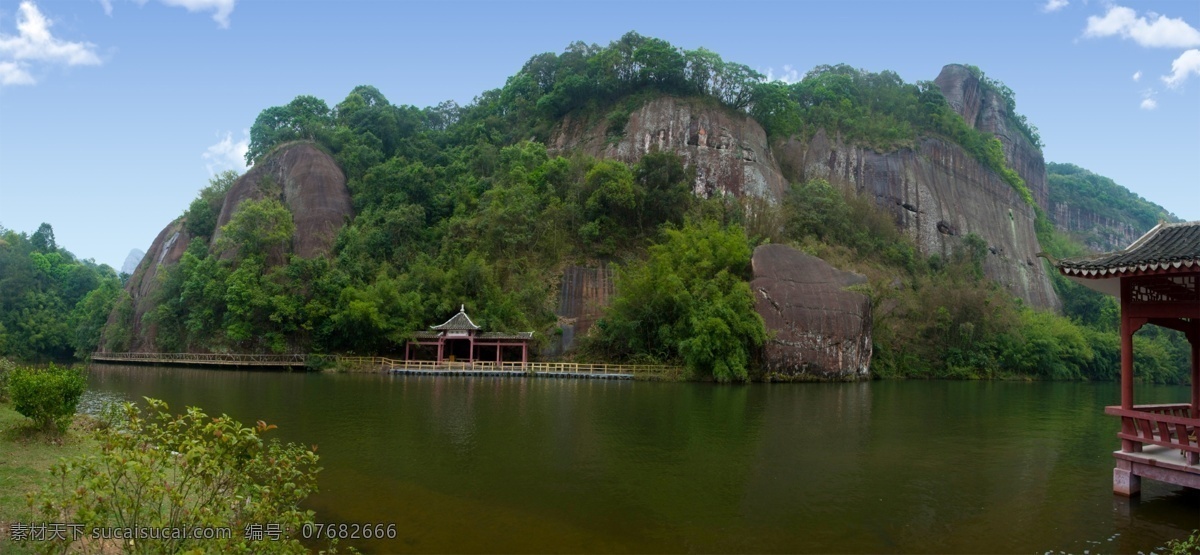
(545, 465)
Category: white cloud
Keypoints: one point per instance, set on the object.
(11, 73)
(227, 155)
(1054, 5)
(221, 8)
(1148, 101)
(1137, 76)
(107, 5)
(788, 75)
(1151, 31)
(1186, 64)
(33, 41)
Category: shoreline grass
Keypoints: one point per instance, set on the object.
(26, 454)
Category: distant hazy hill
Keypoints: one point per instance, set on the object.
(132, 261)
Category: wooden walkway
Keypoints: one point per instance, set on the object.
(398, 366)
(516, 369)
(206, 359)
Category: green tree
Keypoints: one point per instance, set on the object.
(257, 228)
(688, 302)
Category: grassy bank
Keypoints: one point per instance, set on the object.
(25, 458)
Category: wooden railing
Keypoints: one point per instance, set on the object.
(385, 364)
(527, 367)
(223, 359)
(1170, 426)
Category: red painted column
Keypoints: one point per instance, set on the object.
(1194, 339)
(406, 344)
(524, 354)
(471, 351)
(441, 342)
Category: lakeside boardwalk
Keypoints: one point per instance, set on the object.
(206, 359)
(516, 369)
(400, 366)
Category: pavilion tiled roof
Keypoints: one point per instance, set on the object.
(1165, 247)
(459, 321)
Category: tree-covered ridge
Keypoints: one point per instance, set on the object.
(1099, 195)
(875, 110)
(52, 305)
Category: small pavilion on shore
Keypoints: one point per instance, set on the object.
(460, 340)
(1157, 279)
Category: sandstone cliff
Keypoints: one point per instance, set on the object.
(729, 151)
(938, 194)
(166, 250)
(984, 110)
(936, 191)
(818, 328)
(307, 181)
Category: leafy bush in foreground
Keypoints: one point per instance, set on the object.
(47, 396)
(163, 471)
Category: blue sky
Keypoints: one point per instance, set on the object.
(114, 113)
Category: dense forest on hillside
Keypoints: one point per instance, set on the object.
(52, 305)
(1102, 196)
(465, 204)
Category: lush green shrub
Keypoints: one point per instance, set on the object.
(157, 470)
(47, 396)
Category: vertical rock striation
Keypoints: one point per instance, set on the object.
(984, 110)
(728, 151)
(938, 193)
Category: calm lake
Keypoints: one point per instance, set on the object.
(546, 465)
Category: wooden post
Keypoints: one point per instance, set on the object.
(1194, 339)
(524, 354)
(1126, 348)
(441, 343)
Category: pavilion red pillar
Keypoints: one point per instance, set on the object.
(1194, 339)
(1126, 351)
(524, 354)
(441, 342)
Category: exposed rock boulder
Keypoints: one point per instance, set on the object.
(305, 179)
(984, 110)
(729, 151)
(938, 193)
(819, 329)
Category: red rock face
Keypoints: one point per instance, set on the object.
(938, 194)
(985, 111)
(166, 250)
(305, 179)
(817, 327)
(311, 185)
(729, 151)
